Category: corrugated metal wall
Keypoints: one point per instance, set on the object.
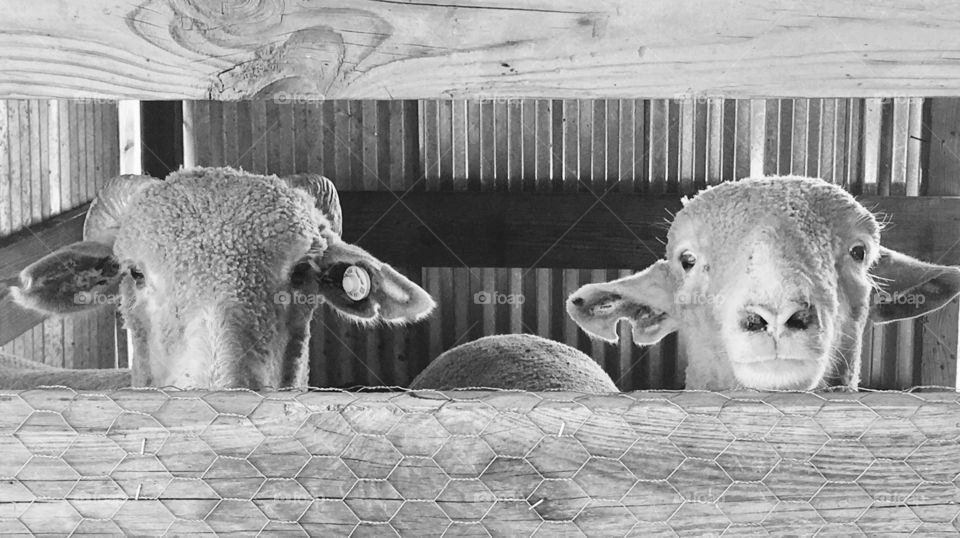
(54, 155)
(659, 146)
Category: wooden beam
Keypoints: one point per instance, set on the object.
(560, 230)
(152, 49)
(496, 229)
(575, 230)
(323, 463)
(15, 320)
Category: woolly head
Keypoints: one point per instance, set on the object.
(217, 273)
(770, 282)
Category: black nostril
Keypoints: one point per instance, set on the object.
(802, 319)
(577, 301)
(753, 323)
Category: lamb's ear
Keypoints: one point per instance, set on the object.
(910, 287)
(76, 277)
(391, 296)
(645, 299)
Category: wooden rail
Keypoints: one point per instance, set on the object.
(580, 230)
(185, 49)
(554, 230)
(328, 463)
(564, 230)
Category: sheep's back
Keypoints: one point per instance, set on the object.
(515, 361)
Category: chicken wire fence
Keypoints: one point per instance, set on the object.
(492, 463)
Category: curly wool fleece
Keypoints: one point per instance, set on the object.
(515, 361)
(211, 224)
(219, 231)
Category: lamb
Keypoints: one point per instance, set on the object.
(218, 272)
(515, 361)
(769, 282)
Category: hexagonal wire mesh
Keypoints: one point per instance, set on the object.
(166, 462)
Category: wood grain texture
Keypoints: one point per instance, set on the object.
(15, 320)
(447, 229)
(939, 334)
(332, 463)
(189, 49)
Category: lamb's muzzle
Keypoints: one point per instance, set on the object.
(769, 282)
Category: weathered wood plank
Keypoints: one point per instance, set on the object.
(692, 463)
(944, 145)
(527, 229)
(940, 333)
(14, 320)
(537, 48)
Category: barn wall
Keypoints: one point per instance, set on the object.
(869, 146)
(54, 155)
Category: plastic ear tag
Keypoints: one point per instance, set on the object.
(356, 283)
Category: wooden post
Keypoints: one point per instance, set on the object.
(942, 138)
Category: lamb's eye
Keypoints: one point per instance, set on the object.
(137, 275)
(687, 260)
(858, 252)
(299, 274)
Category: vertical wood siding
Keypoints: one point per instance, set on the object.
(54, 155)
(604, 147)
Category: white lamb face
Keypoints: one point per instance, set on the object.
(219, 273)
(778, 274)
(769, 282)
(202, 273)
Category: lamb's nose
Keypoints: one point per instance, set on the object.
(803, 318)
(757, 318)
(577, 301)
(754, 320)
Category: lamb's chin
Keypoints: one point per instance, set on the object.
(780, 373)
